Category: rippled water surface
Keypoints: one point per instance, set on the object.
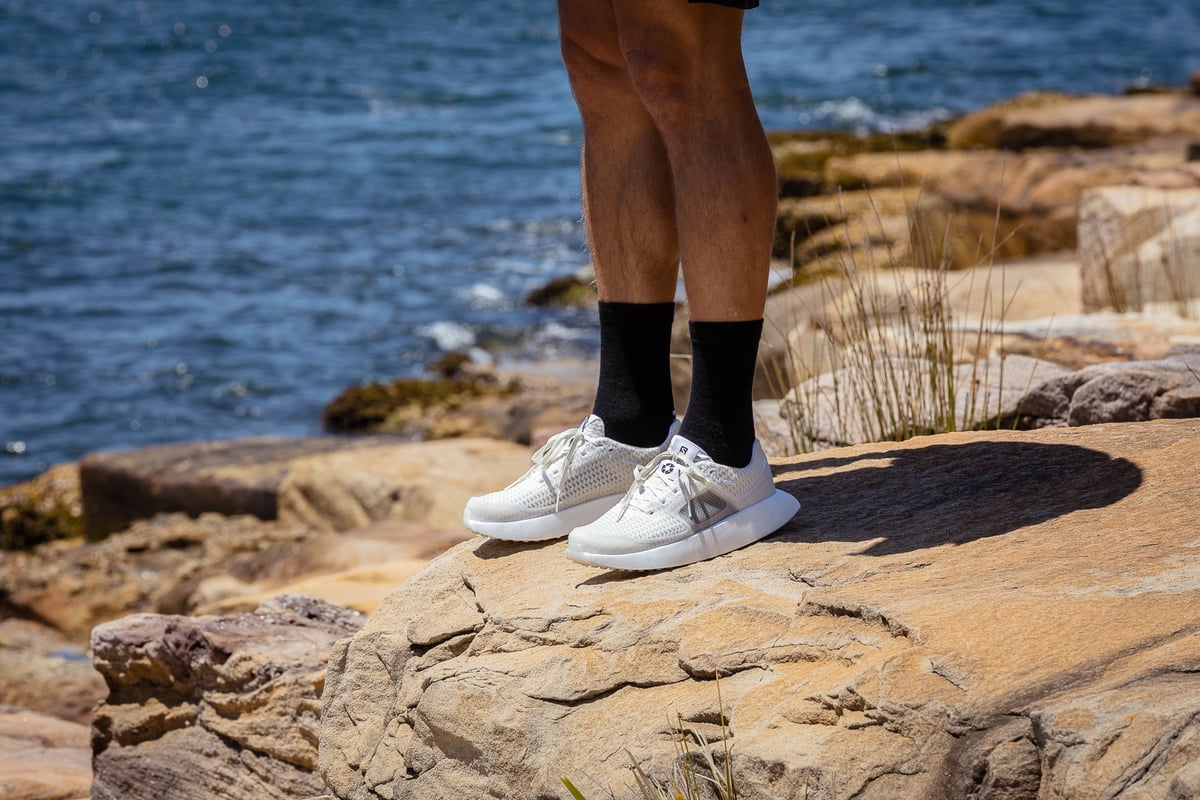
(215, 216)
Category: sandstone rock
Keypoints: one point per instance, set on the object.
(844, 222)
(40, 510)
(977, 130)
(888, 394)
(331, 484)
(801, 156)
(804, 324)
(1080, 340)
(999, 614)
(880, 397)
(1140, 247)
(984, 297)
(426, 482)
(912, 170)
(43, 758)
(355, 569)
(214, 706)
(174, 564)
(154, 566)
(41, 670)
(1005, 205)
(1047, 119)
(871, 240)
(361, 588)
(229, 477)
(1120, 392)
(774, 429)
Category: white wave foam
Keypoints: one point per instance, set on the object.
(449, 335)
(483, 295)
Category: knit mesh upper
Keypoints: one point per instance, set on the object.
(659, 511)
(596, 467)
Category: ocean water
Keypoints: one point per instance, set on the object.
(215, 216)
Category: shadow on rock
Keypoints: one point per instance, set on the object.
(914, 498)
(501, 548)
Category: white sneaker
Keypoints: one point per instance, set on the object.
(684, 507)
(576, 476)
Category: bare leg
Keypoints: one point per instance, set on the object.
(628, 196)
(685, 62)
(691, 102)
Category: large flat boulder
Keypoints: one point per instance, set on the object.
(204, 707)
(1053, 119)
(173, 564)
(331, 483)
(418, 482)
(239, 476)
(156, 565)
(984, 615)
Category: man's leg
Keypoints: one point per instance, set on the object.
(713, 491)
(685, 62)
(629, 207)
(629, 203)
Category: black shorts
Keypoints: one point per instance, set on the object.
(730, 3)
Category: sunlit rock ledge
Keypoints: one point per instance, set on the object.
(982, 615)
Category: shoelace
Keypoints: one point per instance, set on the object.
(690, 482)
(559, 447)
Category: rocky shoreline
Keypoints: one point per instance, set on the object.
(945, 629)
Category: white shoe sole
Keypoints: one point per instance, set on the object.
(737, 530)
(550, 526)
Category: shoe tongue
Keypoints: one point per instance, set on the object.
(592, 426)
(688, 450)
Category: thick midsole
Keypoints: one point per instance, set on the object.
(737, 530)
(549, 526)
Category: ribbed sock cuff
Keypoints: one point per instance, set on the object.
(720, 412)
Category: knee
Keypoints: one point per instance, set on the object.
(667, 81)
(595, 66)
(664, 82)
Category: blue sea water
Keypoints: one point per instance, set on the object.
(215, 216)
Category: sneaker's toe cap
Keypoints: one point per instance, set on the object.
(612, 535)
(493, 508)
(598, 538)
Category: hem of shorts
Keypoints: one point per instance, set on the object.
(742, 4)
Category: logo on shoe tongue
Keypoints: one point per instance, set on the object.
(667, 468)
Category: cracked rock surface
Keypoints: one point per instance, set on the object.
(213, 707)
(981, 615)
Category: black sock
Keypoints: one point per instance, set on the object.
(633, 395)
(720, 414)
